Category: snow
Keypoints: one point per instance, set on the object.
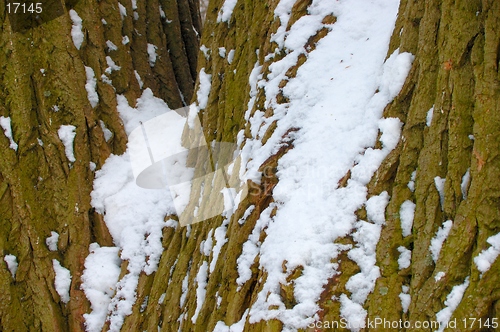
(375, 208)
(52, 241)
(62, 281)
(162, 13)
(411, 183)
(230, 57)
(67, 135)
(334, 102)
(152, 54)
(102, 269)
(439, 182)
(226, 11)
(439, 238)
(404, 259)
(353, 312)
(123, 10)
(205, 51)
(464, 185)
(5, 123)
(107, 133)
(439, 276)
(133, 215)
(92, 166)
(76, 29)
(251, 247)
(138, 77)
(125, 40)
(90, 87)
(204, 88)
(111, 65)
(111, 46)
(428, 117)
(11, 262)
(222, 52)
(452, 301)
(364, 254)
(405, 298)
(236, 327)
(201, 281)
(484, 260)
(220, 240)
(206, 245)
(406, 215)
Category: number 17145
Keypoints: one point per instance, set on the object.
(23, 8)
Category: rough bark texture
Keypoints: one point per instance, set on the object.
(40, 191)
(456, 69)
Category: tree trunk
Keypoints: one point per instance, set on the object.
(43, 78)
(455, 72)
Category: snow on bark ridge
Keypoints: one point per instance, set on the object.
(67, 136)
(334, 102)
(76, 29)
(5, 123)
(134, 217)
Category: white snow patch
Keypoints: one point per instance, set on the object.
(111, 46)
(439, 238)
(226, 11)
(133, 215)
(236, 327)
(11, 262)
(152, 54)
(112, 66)
(138, 78)
(102, 269)
(452, 301)
(353, 312)
(375, 208)
(220, 240)
(439, 276)
(123, 10)
(428, 118)
(405, 298)
(107, 133)
(484, 260)
(222, 52)
(334, 103)
(62, 281)
(52, 240)
(90, 86)
(67, 135)
(125, 40)
(406, 215)
(205, 51)
(439, 182)
(464, 185)
(404, 259)
(230, 57)
(76, 29)
(204, 88)
(411, 183)
(364, 254)
(201, 280)
(5, 123)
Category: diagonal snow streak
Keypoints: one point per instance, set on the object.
(334, 101)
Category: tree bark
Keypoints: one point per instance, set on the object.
(43, 87)
(456, 71)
